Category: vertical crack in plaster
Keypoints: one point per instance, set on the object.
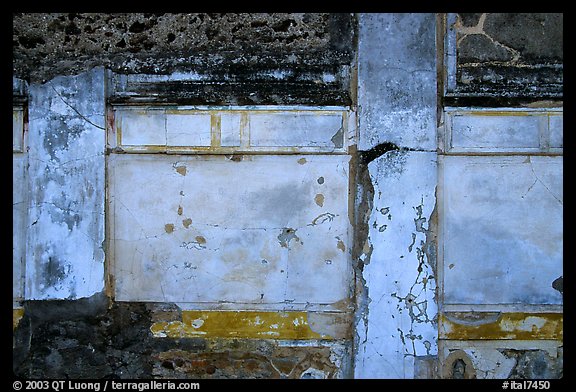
(363, 203)
(425, 253)
(362, 248)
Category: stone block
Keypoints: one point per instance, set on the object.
(228, 130)
(486, 131)
(142, 127)
(502, 130)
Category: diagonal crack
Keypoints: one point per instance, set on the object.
(76, 110)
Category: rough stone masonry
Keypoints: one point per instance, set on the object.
(282, 195)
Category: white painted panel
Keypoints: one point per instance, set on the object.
(142, 127)
(502, 229)
(230, 129)
(556, 123)
(207, 229)
(299, 129)
(17, 130)
(487, 131)
(188, 129)
(19, 210)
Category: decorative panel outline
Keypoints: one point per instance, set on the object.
(545, 126)
(225, 140)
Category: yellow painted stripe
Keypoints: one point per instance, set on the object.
(518, 326)
(520, 113)
(17, 315)
(238, 324)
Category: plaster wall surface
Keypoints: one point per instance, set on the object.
(396, 323)
(19, 201)
(65, 232)
(397, 80)
(400, 320)
(503, 229)
(263, 237)
(207, 229)
(501, 220)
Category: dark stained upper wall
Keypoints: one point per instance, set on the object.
(278, 58)
(286, 58)
(509, 54)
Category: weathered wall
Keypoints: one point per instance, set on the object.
(66, 137)
(500, 193)
(252, 241)
(251, 58)
(503, 55)
(500, 243)
(397, 127)
(288, 196)
(93, 338)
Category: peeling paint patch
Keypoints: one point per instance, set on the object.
(458, 365)
(558, 285)
(397, 320)
(180, 169)
(519, 326)
(239, 324)
(325, 217)
(17, 315)
(55, 270)
(338, 138)
(286, 236)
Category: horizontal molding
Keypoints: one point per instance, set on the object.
(296, 325)
(225, 130)
(502, 130)
(501, 326)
